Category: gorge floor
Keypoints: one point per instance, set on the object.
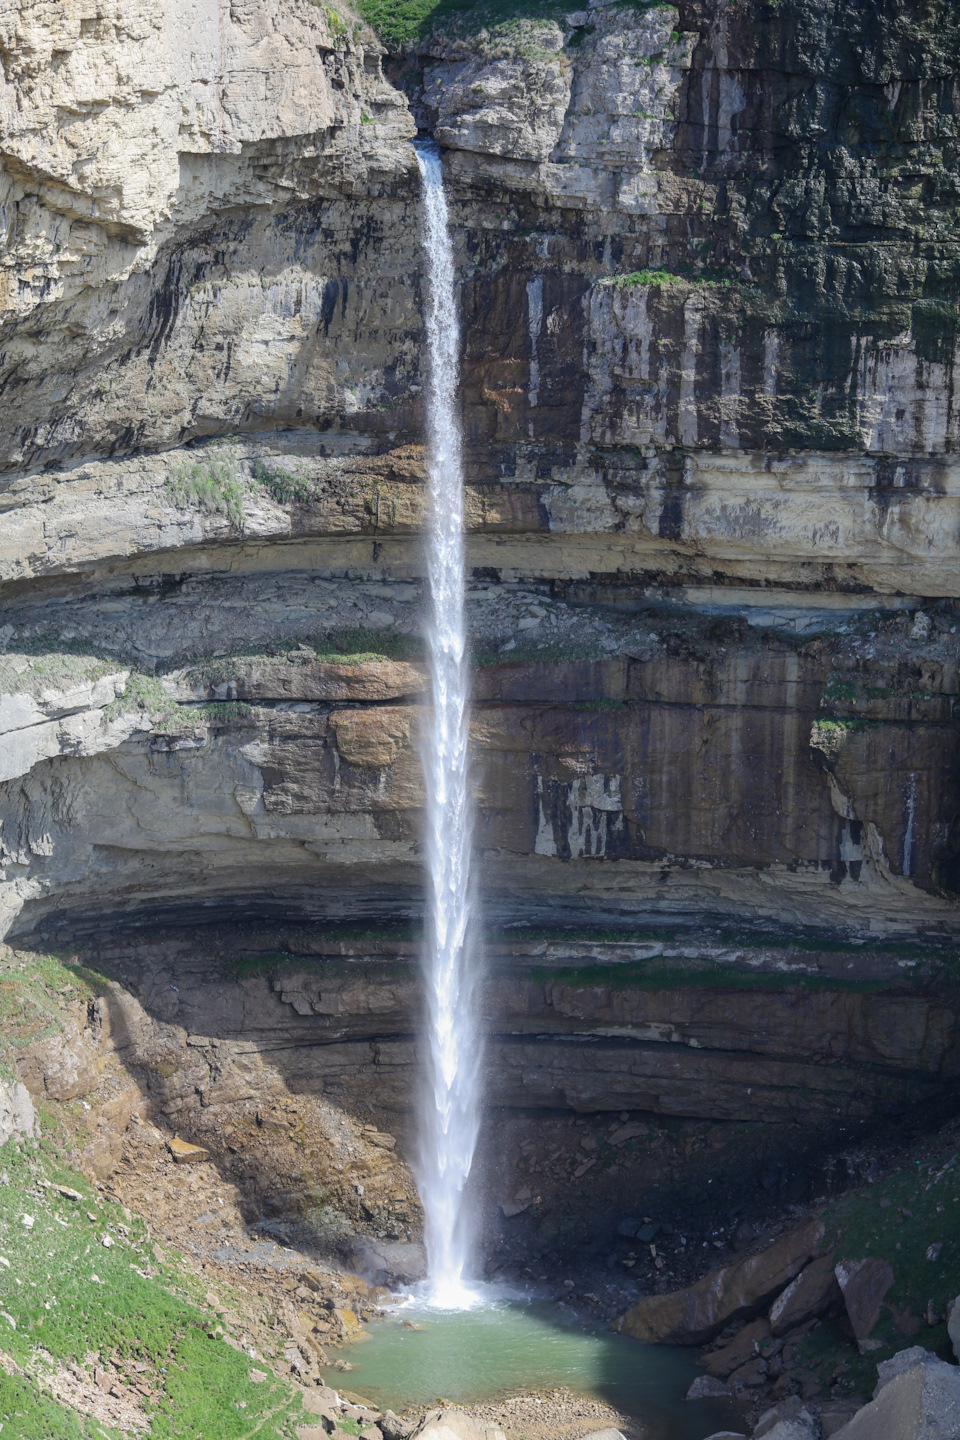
(294, 1192)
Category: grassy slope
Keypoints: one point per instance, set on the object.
(897, 1219)
(136, 1312)
(147, 1312)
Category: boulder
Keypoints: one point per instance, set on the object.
(791, 1430)
(792, 1410)
(392, 1263)
(608, 1434)
(953, 1326)
(863, 1284)
(727, 1435)
(17, 1115)
(814, 1292)
(458, 1425)
(888, 1370)
(707, 1387)
(834, 1414)
(393, 1428)
(691, 1317)
(186, 1154)
(742, 1347)
(754, 1372)
(920, 1403)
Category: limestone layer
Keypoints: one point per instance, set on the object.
(707, 260)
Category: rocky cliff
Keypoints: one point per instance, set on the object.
(708, 269)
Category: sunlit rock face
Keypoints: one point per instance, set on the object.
(708, 292)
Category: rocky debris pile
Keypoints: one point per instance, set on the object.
(698, 1314)
(757, 1310)
(917, 1397)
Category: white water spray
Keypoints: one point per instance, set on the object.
(451, 1104)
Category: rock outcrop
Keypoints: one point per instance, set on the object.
(17, 1113)
(918, 1396)
(695, 1315)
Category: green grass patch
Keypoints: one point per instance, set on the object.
(400, 21)
(78, 1302)
(29, 1414)
(825, 943)
(50, 663)
(657, 974)
(335, 647)
(165, 716)
(32, 993)
(287, 487)
(667, 278)
(211, 484)
(898, 1219)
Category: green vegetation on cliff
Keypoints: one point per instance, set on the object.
(397, 21)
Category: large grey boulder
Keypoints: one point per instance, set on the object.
(812, 1293)
(953, 1326)
(690, 1317)
(919, 1403)
(708, 1387)
(17, 1115)
(888, 1370)
(863, 1284)
(789, 1420)
(457, 1425)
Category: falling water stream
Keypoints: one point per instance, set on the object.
(451, 1106)
(496, 1343)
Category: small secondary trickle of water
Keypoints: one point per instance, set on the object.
(451, 1102)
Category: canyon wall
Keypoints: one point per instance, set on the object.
(708, 285)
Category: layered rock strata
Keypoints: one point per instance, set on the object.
(708, 292)
(766, 773)
(651, 417)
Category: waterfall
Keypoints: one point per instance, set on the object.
(451, 1104)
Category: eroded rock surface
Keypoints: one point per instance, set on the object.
(708, 304)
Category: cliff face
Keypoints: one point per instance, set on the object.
(708, 285)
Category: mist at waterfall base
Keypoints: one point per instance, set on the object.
(450, 1107)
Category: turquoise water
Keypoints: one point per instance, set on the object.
(508, 1347)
